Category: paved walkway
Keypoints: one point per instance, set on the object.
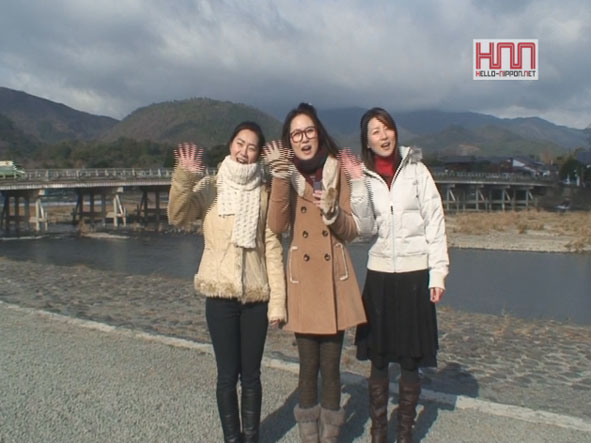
(69, 380)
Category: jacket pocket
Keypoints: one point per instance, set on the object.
(341, 268)
(291, 266)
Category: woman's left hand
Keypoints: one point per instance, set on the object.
(436, 294)
(275, 323)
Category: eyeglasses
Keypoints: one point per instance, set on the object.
(298, 135)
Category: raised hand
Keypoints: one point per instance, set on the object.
(190, 157)
(351, 164)
(277, 158)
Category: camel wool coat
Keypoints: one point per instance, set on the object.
(323, 295)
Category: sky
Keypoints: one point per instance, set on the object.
(111, 57)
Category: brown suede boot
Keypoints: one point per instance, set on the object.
(330, 424)
(378, 408)
(307, 420)
(409, 397)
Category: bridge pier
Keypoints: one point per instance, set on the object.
(145, 213)
(6, 218)
(79, 214)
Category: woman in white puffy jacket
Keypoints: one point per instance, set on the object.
(398, 204)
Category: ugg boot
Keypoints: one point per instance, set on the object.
(251, 413)
(330, 424)
(378, 408)
(308, 423)
(228, 409)
(409, 397)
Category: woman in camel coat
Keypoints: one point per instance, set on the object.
(310, 197)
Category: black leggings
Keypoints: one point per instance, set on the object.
(238, 333)
(409, 370)
(320, 352)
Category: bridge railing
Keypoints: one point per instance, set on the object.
(98, 173)
(509, 177)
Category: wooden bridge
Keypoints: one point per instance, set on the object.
(459, 192)
(89, 184)
(487, 192)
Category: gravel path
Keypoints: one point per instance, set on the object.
(536, 364)
(63, 380)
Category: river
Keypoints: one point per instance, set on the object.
(529, 285)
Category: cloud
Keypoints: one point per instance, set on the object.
(111, 57)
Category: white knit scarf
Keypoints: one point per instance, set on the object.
(239, 194)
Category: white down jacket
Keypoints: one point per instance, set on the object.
(406, 220)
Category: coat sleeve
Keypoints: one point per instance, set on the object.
(275, 275)
(343, 224)
(362, 207)
(279, 205)
(432, 213)
(189, 198)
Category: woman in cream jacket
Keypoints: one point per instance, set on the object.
(241, 270)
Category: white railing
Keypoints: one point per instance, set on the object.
(97, 173)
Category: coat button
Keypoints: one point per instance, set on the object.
(324, 232)
(306, 257)
(303, 209)
(327, 257)
(305, 234)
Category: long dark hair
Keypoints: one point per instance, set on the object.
(324, 140)
(383, 116)
(251, 126)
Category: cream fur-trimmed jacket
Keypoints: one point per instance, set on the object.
(228, 271)
(406, 221)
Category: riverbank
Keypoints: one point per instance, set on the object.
(533, 231)
(539, 364)
(538, 231)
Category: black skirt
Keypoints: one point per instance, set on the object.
(401, 319)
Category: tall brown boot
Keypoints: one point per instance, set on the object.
(378, 408)
(409, 397)
(307, 419)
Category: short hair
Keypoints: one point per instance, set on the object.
(251, 126)
(383, 116)
(324, 140)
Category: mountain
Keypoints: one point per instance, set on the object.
(482, 141)
(48, 121)
(463, 132)
(428, 122)
(203, 121)
(14, 143)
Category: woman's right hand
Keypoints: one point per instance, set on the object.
(351, 164)
(277, 158)
(189, 157)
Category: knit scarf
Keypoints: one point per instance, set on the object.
(239, 194)
(312, 169)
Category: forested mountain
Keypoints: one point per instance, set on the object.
(48, 121)
(203, 121)
(41, 133)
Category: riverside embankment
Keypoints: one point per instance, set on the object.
(538, 364)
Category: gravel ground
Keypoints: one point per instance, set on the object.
(60, 382)
(536, 364)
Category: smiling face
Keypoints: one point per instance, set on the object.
(380, 138)
(245, 147)
(303, 137)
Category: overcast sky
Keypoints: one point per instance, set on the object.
(111, 57)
